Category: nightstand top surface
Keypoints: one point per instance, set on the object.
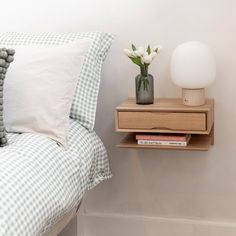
(164, 104)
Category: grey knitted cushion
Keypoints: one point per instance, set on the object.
(6, 57)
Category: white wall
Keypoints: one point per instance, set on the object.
(153, 186)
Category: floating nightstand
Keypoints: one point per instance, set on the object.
(166, 115)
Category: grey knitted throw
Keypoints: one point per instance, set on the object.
(6, 57)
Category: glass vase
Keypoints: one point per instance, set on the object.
(144, 85)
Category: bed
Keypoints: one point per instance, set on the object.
(42, 184)
(48, 108)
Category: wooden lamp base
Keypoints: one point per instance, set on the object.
(193, 97)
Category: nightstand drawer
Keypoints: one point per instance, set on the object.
(162, 120)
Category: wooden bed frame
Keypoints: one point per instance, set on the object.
(63, 222)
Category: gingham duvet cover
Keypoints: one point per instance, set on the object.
(40, 181)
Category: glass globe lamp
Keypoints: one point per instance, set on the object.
(193, 68)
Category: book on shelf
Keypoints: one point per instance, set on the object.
(165, 140)
(163, 137)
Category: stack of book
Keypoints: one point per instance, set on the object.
(163, 139)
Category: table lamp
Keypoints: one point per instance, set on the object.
(193, 68)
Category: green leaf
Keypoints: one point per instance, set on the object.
(136, 60)
(149, 49)
(133, 47)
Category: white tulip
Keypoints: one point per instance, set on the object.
(157, 48)
(133, 54)
(153, 54)
(137, 53)
(127, 52)
(141, 50)
(147, 59)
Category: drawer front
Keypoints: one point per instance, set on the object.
(162, 120)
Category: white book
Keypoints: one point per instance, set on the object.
(164, 143)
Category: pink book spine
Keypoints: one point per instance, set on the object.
(161, 138)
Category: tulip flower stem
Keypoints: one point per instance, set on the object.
(144, 70)
(143, 80)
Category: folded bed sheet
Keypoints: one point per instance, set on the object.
(41, 181)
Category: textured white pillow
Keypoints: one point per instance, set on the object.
(40, 86)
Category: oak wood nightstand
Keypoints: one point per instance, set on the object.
(166, 115)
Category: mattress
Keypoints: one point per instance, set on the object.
(41, 181)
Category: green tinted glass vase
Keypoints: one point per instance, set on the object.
(144, 89)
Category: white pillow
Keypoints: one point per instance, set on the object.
(40, 86)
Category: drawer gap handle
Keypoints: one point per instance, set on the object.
(161, 128)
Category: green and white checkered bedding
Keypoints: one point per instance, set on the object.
(40, 181)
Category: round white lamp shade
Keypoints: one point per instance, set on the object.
(193, 68)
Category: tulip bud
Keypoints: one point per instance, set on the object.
(147, 59)
(127, 52)
(153, 54)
